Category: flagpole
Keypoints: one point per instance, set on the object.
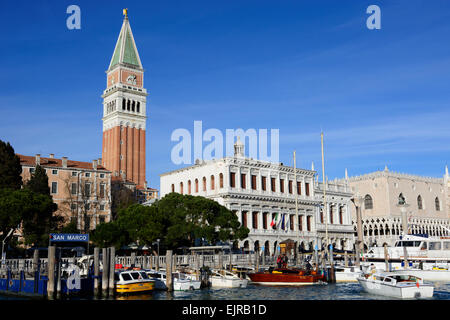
(297, 249)
(324, 210)
(330, 253)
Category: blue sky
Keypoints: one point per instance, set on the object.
(381, 96)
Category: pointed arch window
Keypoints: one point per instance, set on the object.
(401, 199)
(196, 185)
(181, 187)
(437, 204)
(221, 180)
(189, 186)
(419, 202)
(368, 202)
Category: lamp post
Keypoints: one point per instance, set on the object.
(3, 246)
(359, 248)
(403, 205)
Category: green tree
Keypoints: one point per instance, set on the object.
(193, 217)
(109, 234)
(32, 210)
(142, 224)
(10, 168)
(178, 220)
(13, 204)
(71, 227)
(38, 221)
(39, 181)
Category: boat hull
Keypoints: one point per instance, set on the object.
(139, 287)
(219, 282)
(285, 279)
(409, 291)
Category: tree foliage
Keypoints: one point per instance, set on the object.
(32, 210)
(10, 168)
(39, 181)
(178, 220)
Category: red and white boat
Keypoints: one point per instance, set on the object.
(287, 277)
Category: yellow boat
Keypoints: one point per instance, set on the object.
(130, 282)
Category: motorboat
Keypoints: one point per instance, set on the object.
(433, 274)
(396, 285)
(180, 281)
(287, 276)
(346, 274)
(226, 279)
(132, 281)
(418, 247)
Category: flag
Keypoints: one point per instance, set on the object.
(282, 223)
(274, 220)
(288, 223)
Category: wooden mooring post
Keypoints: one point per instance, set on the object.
(345, 259)
(96, 270)
(169, 282)
(35, 260)
(133, 259)
(112, 268)
(51, 272)
(58, 275)
(386, 258)
(144, 261)
(105, 262)
(157, 262)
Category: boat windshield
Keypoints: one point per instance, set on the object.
(135, 275)
(435, 246)
(154, 275)
(143, 275)
(407, 243)
(126, 276)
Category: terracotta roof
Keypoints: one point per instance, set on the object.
(57, 163)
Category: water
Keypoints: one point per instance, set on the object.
(338, 291)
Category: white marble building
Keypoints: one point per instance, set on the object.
(258, 190)
(428, 199)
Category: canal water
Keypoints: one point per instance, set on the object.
(338, 291)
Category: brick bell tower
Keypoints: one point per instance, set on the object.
(124, 111)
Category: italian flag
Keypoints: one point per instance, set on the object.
(274, 220)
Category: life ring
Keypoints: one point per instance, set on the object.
(10, 283)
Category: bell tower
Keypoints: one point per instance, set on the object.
(124, 111)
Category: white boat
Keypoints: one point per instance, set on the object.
(347, 274)
(434, 274)
(395, 285)
(226, 279)
(417, 248)
(132, 281)
(180, 281)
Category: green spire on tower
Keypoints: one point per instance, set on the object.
(126, 51)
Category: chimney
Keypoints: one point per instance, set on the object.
(94, 164)
(52, 155)
(38, 159)
(99, 161)
(64, 162)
